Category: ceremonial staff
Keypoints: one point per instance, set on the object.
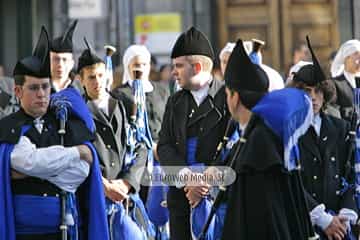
(61, 108)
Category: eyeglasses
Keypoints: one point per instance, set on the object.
(36, 87)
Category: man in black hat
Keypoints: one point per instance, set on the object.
(194, 122)
(41, 168)
(121, 172)
(61, 59)
(324, 158)
(266, 200)
(119, 177)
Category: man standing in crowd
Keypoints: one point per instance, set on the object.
(194, 121)
(119, 176)
(324, 159)
(41, 168)
(62, 61)
(266, 201)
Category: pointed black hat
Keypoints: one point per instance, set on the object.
(192, 42)
(88, 57)
(311, 74)
(64, 43)
(37, 65)
(241, 75)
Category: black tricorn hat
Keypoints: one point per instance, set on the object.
(192, 42)
(88, 57)
(64, 43)
(249, 79)
(311, 74)
(38, 64)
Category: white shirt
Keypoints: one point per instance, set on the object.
(316, 123)
(59, 165)
(103, 104)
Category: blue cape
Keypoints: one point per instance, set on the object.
(288, 113)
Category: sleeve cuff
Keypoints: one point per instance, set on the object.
(320, 218)
(181, 176)
(351, 215)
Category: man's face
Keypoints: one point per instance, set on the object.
(139, 63)
(183, 72)
(317, 98)
(232, 99)
(224, 61)
(34, 95)
(93, 80)
(61, 65)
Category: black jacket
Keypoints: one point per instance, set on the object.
(345, 97)
(325, 162)
(210, 120)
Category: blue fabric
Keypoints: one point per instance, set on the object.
(191, 145)
(198, 218)
(158, 214)
(97, 222)
(120, 224)
(235, 136)
(254, 57)
(7, 218)
(288, 113)
(36, 214)
(357, 148)
(138, 207)
(73, 101)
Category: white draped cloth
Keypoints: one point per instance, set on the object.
(130, 53)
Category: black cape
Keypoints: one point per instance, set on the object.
(265, 201)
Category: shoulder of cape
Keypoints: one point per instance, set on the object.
(10, 130)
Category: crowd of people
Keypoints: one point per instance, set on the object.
(77, 148)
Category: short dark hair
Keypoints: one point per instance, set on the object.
(19, 79)
(327, 87)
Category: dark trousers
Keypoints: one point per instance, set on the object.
(179, 227)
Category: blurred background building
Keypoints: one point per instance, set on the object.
(282, 24)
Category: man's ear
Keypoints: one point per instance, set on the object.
(197, 67)
(18, 91)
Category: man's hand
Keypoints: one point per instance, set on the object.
(85, 153)
(123, 185)
(113, 191)
(195, 193)
(337, 228)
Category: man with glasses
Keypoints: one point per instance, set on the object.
(35, 168)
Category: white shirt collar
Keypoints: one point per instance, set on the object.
(350, 78)
(201, 94)
(316, 123)
(103, 104)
